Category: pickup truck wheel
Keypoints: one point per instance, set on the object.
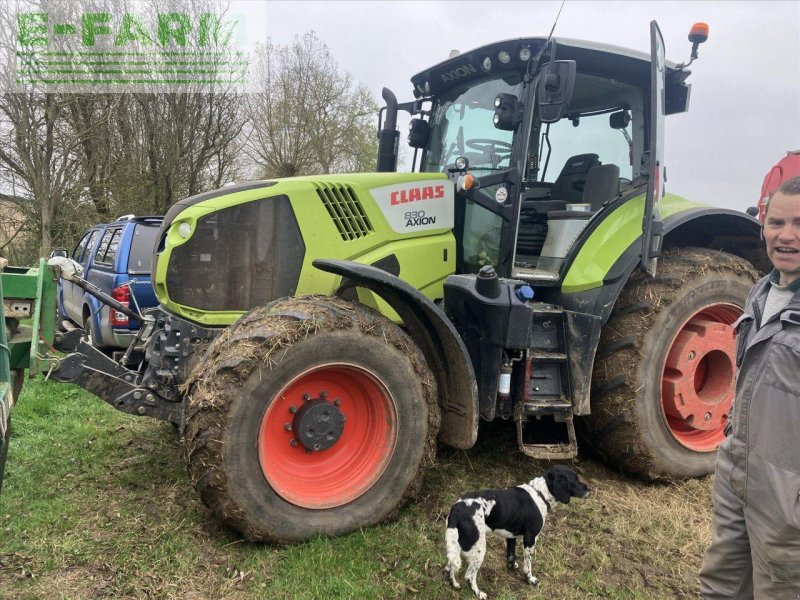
(310, 416)
(60, 319)
(88, 336)
(665, 369)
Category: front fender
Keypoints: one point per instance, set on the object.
(435, 335)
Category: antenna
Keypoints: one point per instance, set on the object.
(533, 64)
(556, 21)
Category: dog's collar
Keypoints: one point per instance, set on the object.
(546, 503)
(539, 486)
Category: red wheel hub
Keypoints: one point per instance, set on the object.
(697, 385)
(327, 436)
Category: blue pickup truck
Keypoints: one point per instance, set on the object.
(116, 258)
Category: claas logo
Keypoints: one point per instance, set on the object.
(430, 192)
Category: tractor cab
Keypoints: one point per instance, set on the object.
(540, 136)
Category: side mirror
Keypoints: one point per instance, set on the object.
(619, 120)
(556, 84)
(418, 133)
(507, 112)
(59, 252)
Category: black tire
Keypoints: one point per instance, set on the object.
(244, 380)
(88, 336)
(60, 319)
(629, 426)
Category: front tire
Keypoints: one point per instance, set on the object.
(664, 374)
(310, 416)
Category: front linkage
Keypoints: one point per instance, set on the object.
(169, 346)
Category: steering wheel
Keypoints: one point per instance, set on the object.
(489, 146)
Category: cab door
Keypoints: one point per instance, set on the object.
(652, 225)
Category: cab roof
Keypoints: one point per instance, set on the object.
(606, 60)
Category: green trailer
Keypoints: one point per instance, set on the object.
(28, 311)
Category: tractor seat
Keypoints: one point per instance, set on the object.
(567, 186)
(602, 185)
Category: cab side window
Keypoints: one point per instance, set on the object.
(103, 246)
(77, 253)
(113, 247)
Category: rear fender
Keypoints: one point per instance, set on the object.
(695, 226)
(435, 335)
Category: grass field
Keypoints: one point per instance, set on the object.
(97, 504)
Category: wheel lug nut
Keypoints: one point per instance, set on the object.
(708, 417)
(287, 427)
(293, 443)
(323, 394)
(306, 397)
(692, 355)
(337, 402)
(292, 409)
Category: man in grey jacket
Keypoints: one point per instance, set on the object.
(755, 547)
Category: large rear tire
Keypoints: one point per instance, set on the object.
(310, 416)
(664, 374)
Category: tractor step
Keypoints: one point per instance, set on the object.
(544, 417)
(533, 275)
(549, 436)
(541, 355)
(544, 405)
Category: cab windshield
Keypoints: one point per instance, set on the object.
(462, 126)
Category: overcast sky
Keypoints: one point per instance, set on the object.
(744, 112)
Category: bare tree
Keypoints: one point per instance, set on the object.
(306, 114)
(186, 142)
(40, 156)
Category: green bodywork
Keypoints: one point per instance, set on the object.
(426, 258)
(614, 236)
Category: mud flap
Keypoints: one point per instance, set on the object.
(435, 335)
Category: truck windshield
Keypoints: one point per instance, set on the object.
(462, 126)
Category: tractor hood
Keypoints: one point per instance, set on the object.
(226, 251)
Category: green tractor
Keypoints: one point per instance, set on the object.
(318, 336)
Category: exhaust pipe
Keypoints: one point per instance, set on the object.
(388, 136)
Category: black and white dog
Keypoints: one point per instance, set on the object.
(510, 512)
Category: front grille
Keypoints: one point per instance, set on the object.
(345, 210)
(238, 257)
